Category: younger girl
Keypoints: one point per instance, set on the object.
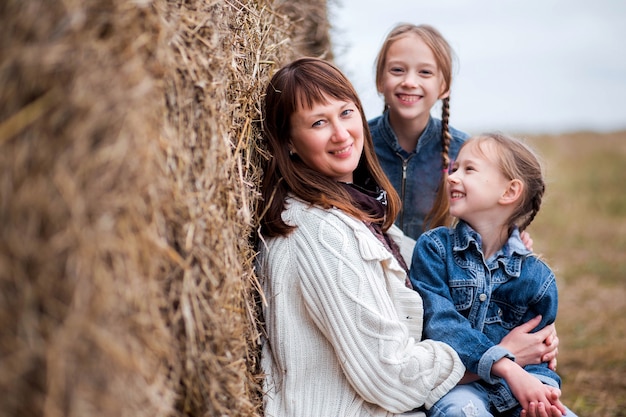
(413, 72)
(478, 281)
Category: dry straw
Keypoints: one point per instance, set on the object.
(130, 161)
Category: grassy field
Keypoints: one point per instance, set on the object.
(581, 232)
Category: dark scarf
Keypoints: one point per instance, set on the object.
(373, 200)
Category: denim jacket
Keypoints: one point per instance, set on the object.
(415, 175)
(471, 302)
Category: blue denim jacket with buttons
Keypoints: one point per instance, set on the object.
(415, 175)
(471, 302)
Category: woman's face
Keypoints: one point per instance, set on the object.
(329, 137)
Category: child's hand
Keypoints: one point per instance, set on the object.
(534, 395)
(527, 389)
(540, 409)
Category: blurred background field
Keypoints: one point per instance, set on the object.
(581, 232)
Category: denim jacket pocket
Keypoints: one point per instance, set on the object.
(505, 314)
(462, 294)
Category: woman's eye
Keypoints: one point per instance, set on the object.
(396, 70)
(347, 112)
(318, 123)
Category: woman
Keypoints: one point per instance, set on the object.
(343, 325)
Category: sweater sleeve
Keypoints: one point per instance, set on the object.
(347, 291)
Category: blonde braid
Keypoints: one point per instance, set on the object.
(438, 214)
(446, 137)
(535, 204)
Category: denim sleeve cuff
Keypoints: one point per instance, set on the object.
(494, 354)
(547, 380)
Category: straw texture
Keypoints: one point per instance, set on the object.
(130, 160)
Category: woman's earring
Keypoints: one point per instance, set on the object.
(290, 152)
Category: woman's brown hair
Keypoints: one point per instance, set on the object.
(303, 83)
(444, 56)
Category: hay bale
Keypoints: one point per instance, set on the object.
(311, 29)
(81, 326)
(130, 163)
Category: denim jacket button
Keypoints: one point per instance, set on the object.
(482, 297)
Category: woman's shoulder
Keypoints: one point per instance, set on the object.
(306, 215)
(320, 226)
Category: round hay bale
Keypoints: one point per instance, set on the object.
(130, 160)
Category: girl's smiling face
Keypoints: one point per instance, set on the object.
(477, 184)
(328, 137)
(412, 82)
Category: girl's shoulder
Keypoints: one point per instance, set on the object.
(537, 265)
(439, 232)
(441, 237)
(374, 121)
(458, 136)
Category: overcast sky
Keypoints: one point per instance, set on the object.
(525, 66)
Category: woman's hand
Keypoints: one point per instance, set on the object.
(526, 240)
(533, 348)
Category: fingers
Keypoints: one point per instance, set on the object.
(551, 363)
(556, 402)
(551, 337)
(547, 334)
(550, 334)
(550, 357)
(555, 412)
(540, 410)
(527, 240)
(531, 324)
(535, 410)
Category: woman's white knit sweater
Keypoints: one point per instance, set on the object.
(343, 331)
